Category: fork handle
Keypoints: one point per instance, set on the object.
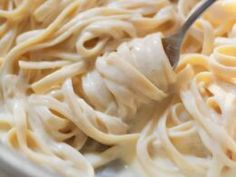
(194, 16)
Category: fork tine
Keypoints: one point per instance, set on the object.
(172, 47)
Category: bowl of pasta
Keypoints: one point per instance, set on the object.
(86, 89)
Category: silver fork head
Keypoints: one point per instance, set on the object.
(172, 46)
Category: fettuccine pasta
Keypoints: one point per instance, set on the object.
(87, 82)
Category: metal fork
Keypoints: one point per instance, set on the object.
(172, 44)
